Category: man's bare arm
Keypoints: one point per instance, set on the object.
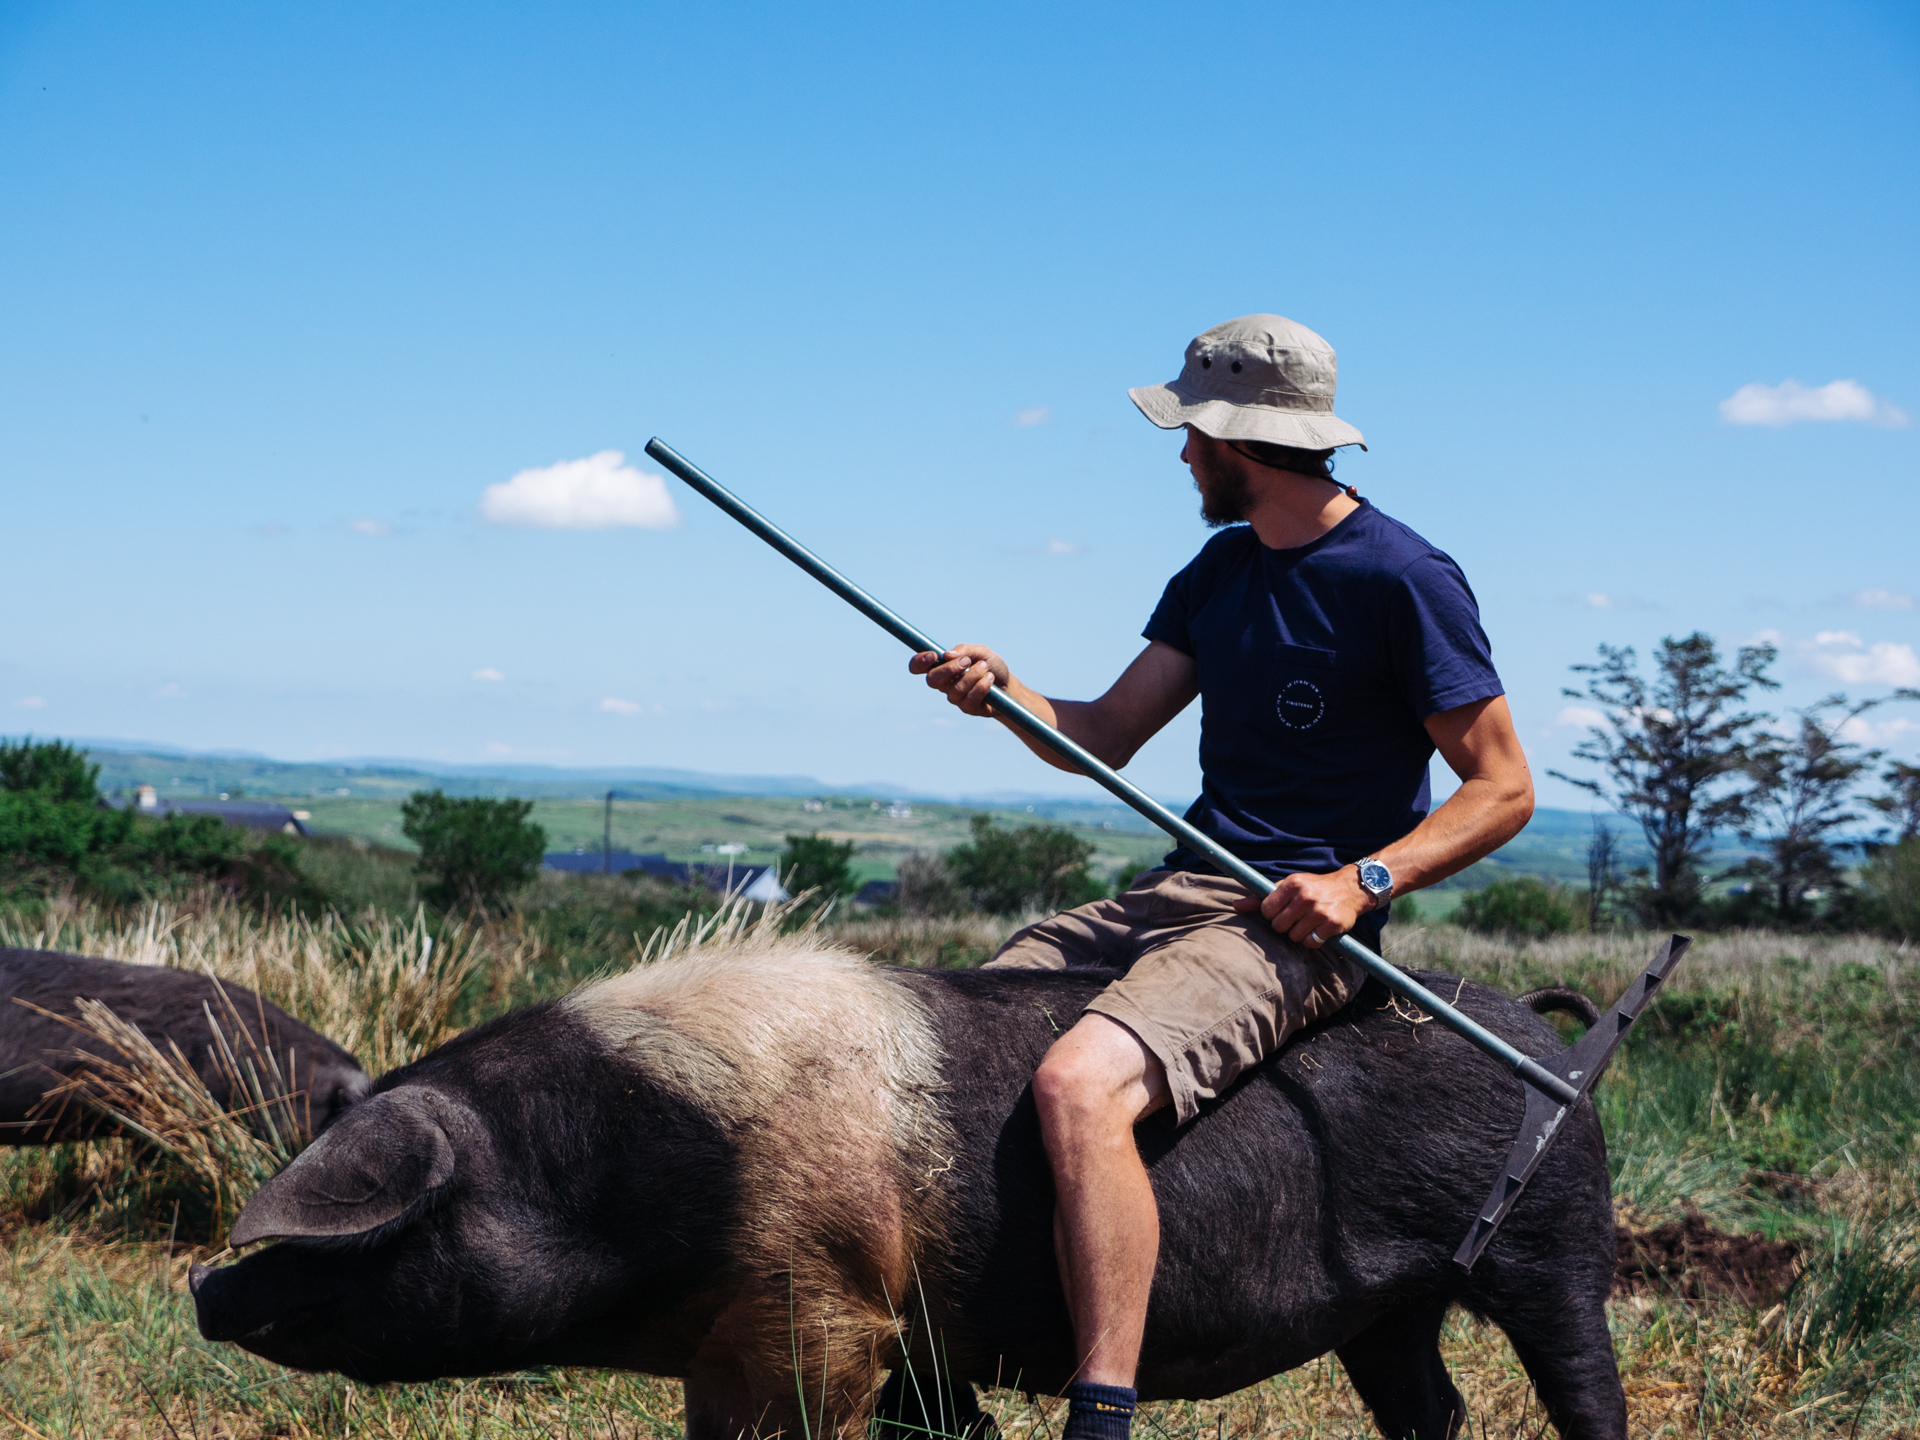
(1492, 805)
(1158, 685)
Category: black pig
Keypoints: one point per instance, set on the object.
(168, 1006)
(731, 1167)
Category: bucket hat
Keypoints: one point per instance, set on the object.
(1261, 377)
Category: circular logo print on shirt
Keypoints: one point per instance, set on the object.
(1301, 705)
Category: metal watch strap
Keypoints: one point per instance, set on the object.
(1379, 897)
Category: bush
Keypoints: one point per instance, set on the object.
(1521, 906)
(51, 768)
(926, 887)
(54, 833)
(1036, 867)
(476, 853)
(810, 863)
(1891, 879)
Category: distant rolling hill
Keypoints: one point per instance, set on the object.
(682, 810)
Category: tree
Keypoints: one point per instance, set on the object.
(1673, 750)
(1901, 803)
(1036, 867)
(1801, 786)
(51, 768)
(1600, 878)
(476, 852)
(810, 863)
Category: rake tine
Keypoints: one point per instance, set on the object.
(1579, 1065)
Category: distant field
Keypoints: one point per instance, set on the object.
(884, 832)
(1553, 847)
(679, 812)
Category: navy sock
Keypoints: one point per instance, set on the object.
(1098, 1412)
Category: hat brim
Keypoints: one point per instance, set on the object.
(1169, 409)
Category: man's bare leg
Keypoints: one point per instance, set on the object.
(1095, 1083)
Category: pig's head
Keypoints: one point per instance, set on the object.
(522, 1196)
(336, 1082)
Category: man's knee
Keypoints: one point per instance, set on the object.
(1067, 1087)
(1097, 1075)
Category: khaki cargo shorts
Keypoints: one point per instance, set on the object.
(1208, 991)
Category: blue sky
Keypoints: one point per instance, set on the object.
(286, 289)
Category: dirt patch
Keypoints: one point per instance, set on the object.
(1695, 1260)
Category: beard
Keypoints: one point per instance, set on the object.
(1224, 495)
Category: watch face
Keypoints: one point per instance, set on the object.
(1375, 876)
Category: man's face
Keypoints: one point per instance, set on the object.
(1222, 483)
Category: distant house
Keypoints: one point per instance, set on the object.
(759, 883)
(246, 814)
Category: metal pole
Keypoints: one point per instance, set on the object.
(1018, 716)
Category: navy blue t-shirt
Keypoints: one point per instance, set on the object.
(1317, 666)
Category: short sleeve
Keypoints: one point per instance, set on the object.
(1441, 657)
(1169, 622)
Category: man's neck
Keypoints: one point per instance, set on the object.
(1289, 510)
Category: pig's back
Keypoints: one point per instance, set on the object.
(1350, 1164)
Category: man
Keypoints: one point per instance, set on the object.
(1333, 651)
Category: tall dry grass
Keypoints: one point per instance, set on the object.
(385, 987)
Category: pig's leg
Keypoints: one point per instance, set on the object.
(1573, 1372)
(741, 1380)
(1395, 1364)
(912, 1407)
(721, 1407)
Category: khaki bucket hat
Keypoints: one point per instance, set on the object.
(1260, 377)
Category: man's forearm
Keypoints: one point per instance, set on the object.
(1078, 720)
(1476, 820)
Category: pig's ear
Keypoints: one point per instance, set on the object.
(367, 1169)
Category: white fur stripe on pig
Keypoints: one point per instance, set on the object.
(826, 1074)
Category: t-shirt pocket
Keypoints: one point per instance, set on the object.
(1305, 683)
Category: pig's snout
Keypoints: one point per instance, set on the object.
(225, 1306)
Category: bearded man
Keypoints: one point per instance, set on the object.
(1333, 650)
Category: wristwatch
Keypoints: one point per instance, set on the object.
(1376, 879)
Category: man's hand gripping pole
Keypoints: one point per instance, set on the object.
(1552, 1085)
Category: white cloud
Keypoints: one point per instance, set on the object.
(1883, 600)
(1863, 731)
(1601, 600)
(630, 707)
(488, 673)
(1063, 547)
(601, 492)
(1790, 402)
(1033, 415)
(370, 527)
(170, 691)
(1579, 715)
(1850, 660)
(31, 702)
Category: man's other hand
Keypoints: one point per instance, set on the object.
(1311, 910)
(964, 674)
